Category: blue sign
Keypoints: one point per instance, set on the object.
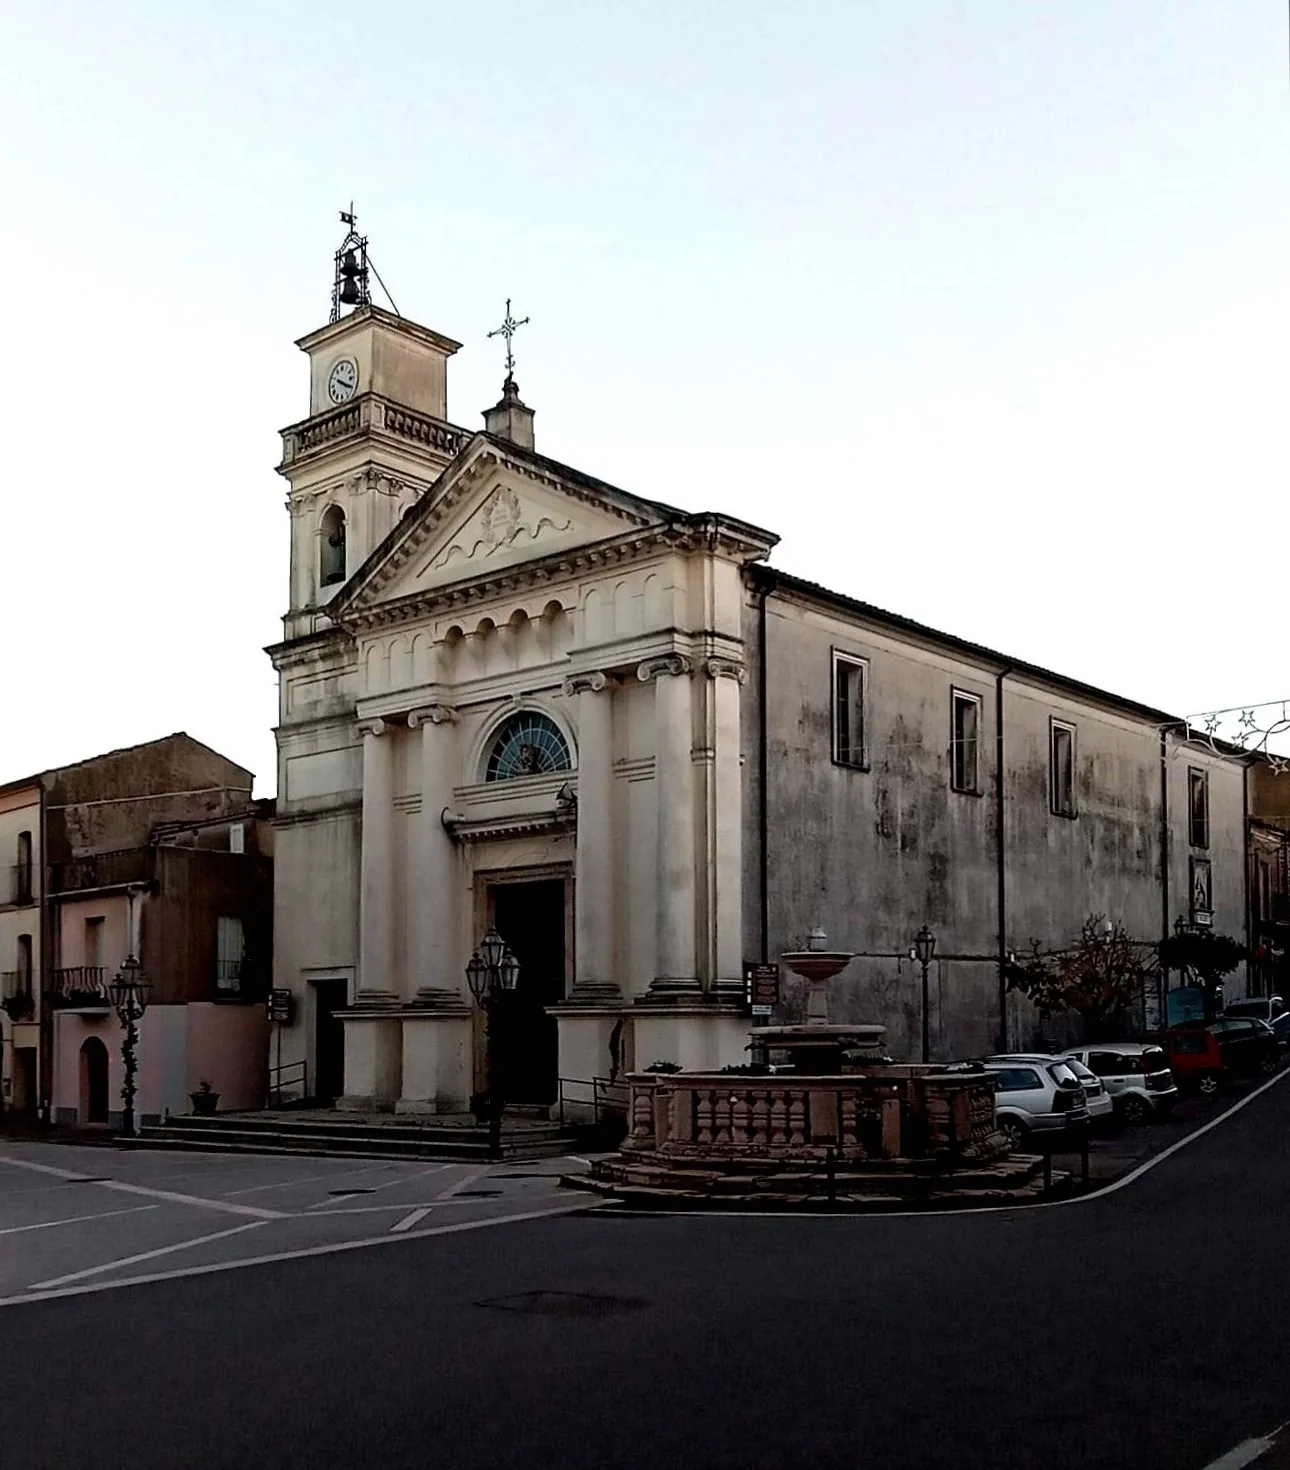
(1187, 1003)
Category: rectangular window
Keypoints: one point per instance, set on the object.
(850, 676)
(24, 964)
(1197, 807)
(22, 870)
(228, 954)
(1061, 778)
(237, 837)
(965, 741)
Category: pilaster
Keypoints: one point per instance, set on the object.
(675, 970)
(432, 893)
(594, 982)
(376, 891)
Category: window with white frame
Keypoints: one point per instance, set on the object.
(965, 741)
(1197, 806)
(229, 954)
(850, 681)
(1061, 768)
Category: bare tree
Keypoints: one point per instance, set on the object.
(1102, 977)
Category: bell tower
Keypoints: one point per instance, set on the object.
(376, 437)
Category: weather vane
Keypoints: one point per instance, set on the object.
(508, 330)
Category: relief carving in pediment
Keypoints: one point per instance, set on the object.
(500, 522)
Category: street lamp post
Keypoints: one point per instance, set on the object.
(492, 971)
(923, 950)
(129, 993)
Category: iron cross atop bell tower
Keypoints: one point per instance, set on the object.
(508, 330)
(510, 419)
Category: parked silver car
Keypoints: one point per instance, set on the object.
(1034, 1094)
(1096, 1098)
(1135, 1073)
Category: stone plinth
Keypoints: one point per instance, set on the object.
(890, 1133)
(883, 1113)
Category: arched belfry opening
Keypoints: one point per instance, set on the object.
(331, 547)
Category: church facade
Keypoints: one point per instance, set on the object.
(513, 696)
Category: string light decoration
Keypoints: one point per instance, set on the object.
(1244, 730)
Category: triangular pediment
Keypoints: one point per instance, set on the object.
(490, 511)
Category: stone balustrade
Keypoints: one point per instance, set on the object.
(883, 1113)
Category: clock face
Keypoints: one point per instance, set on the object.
(342, 380)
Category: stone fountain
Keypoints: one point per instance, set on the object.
(819, 1117)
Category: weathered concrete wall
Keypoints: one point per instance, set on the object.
(97, 805)
(872, 854)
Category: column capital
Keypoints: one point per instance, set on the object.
(725, 668)
(675, 664)
(592, 683)
(375, 726)
(432, 714)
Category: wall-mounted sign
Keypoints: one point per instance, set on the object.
(280, 1007)
(762, 985)
(1186, 1003)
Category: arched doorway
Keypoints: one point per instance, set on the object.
(94, 1080)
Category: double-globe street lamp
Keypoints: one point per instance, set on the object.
(129, 991)
(923, 950)
(492, 971)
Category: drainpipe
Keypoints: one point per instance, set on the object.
(763, 767)
(1164, 867)
(1245, 867)
(1000, 855)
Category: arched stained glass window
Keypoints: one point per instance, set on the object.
(528, 744)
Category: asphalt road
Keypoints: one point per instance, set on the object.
(1144, 1329)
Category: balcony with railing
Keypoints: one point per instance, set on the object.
(367, 412)
(80, 988)
(16, 995)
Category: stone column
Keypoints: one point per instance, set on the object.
(726, 837)
(675, 971)
(594, 982)
(376, 893)
(432, 885)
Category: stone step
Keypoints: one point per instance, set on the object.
(463, 1144)
(338, 1128)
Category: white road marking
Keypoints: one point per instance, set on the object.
(458, 1184)
(169, 1195)
(415, 1218)
(390, 1184)
(308, 1179)
(1246, 1452)
(75, 1219)
(41, 1294)
(165, 1250)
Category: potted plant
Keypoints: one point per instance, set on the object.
(205, 1100)
(19, 1007)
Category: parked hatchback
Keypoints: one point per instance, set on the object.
(1034, 1094)
(1202, 1056)
(1136, 1075)
(1270, 1009)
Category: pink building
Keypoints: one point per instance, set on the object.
(157, 850)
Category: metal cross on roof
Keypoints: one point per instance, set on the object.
(508, 330)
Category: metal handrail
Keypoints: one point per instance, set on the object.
(279, 1080)
(608, 1095)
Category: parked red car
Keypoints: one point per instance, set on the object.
(1202, 1056)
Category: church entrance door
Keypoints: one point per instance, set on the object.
(530, 917)
(330, 996)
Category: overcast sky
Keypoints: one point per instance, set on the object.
(982, 306)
